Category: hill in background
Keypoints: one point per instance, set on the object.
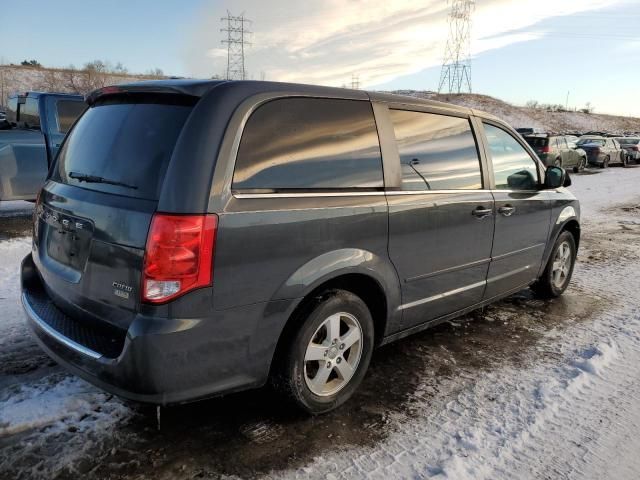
(18, 78)
(554, 121)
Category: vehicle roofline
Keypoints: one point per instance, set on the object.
(200, 88)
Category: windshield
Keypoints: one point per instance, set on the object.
(596, 141)
(126, 144)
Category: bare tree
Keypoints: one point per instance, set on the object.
(71, 79)
(155, 72)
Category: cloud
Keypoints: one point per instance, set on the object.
(325, 41)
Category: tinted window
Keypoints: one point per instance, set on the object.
(594, 141)
(122, 142)
(29, 114)
(67, 111)
(437, 152)
(513, 167)
(537, 142)
(300, 143)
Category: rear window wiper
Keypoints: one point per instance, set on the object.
(82, 177)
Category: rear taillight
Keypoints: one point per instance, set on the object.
(597, 151)
(635, 149)
(179, 255)
(546, 149)
(37, 206)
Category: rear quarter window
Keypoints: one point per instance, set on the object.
(123, 141)
(67, 112)
(309, 143)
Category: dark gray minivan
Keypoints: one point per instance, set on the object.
(196, 238)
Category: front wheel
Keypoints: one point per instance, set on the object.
(581, 164)
(605, 162)
(328, 356)
(557, 274)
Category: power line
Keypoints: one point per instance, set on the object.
(456, 66)
(236, 41)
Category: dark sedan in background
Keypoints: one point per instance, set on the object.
(602, 151)
(631, 145)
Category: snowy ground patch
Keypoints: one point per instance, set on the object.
(526, 389)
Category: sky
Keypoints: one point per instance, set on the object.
(545, 50)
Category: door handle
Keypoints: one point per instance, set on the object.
(482, 212)
(507, 210)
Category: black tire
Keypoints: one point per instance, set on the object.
(289, 376)
(545, 287)
(580, 166)
(625, 160)
(605, 162)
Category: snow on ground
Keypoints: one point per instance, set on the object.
(566, 404)
(47, 403)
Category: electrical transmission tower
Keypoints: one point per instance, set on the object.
(236, 41)
(355, 82)
(455, 76)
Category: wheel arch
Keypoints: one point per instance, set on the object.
(377, 291)
(566, 222)
(572, 226)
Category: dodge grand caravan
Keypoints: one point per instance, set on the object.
(196, 238)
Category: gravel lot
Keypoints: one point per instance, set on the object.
(522, 389)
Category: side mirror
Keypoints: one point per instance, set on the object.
(556, 177)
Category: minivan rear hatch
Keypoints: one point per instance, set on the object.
(93, 217)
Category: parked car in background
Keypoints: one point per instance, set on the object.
(529, 130)
(4, 123)
(556, 150)
(37, 124)
(196, 238)
(602, 151)
(631, 145)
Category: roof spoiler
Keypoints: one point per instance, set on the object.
(92, 97)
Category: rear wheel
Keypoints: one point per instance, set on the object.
(605, 162)
(581, 164)
(625, 159)
(557, 274)
(328, 356)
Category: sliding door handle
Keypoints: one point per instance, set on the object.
(507, 210)
(482, 212)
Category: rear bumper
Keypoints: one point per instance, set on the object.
(159, 360)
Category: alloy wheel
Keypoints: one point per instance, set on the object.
(561, 265)
(333, 354)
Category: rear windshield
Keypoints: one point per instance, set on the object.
(537, 142)
(123, 145)
(596, 141)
